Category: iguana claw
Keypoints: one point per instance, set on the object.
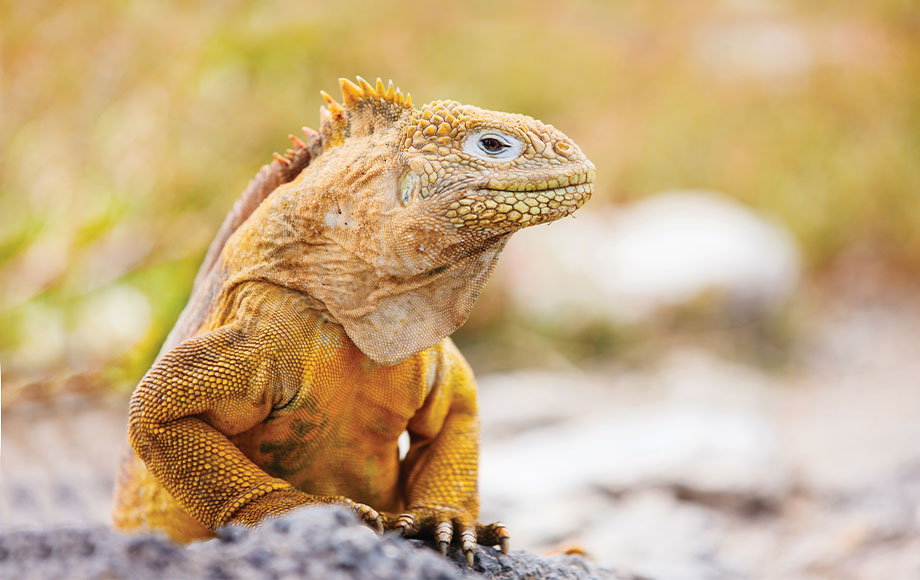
(406, 525)
(468, 545)
(443, 534)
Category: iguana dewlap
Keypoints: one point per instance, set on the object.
(317, 329)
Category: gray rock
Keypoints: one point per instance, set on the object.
(326, 543)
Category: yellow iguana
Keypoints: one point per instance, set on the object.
(317, 329)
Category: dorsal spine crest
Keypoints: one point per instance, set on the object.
(365, 107)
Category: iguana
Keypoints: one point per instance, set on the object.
(317, 330)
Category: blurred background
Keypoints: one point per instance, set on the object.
(712, 371)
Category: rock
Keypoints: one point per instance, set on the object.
(326, 543)
(663, 252)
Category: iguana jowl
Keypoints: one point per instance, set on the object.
(317, 329)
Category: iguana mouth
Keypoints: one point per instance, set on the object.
(550, 184)
(549, 192)
(513, 208)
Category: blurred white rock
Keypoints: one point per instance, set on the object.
(625, 265)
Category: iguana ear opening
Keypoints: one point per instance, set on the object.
(399, 320)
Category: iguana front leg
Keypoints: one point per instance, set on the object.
(441, 467)
(209, 387)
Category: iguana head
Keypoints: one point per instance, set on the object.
(457, 177)
(397, 225)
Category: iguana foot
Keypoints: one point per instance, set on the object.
(444, 524)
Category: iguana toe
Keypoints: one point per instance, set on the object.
(368, 515)
(406, 525)
(494, 534)
(468, 545)
(443, 534)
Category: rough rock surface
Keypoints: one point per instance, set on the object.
(324, 543)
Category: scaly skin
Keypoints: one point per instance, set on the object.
(317, 329)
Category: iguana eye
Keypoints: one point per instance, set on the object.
(490, 144)
(493, 146)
